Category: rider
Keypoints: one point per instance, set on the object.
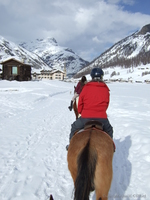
(78, 90)
(93, 103)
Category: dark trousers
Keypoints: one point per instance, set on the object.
(80, 122)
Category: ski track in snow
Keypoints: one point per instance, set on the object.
(34, 164)
(26, 148)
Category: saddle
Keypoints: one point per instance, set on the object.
(98, 125)
(93, 124)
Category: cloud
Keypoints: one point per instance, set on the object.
(87, 27)
(95, 39)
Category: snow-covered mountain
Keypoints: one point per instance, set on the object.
(56, 56)
(131, 51)
(9, 49)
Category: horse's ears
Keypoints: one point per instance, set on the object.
(51, 197)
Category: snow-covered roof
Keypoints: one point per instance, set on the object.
(53, 71)
(3, 62)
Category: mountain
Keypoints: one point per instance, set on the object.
(56, 56)
(131, 51)
(9, 49)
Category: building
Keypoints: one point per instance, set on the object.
(13, 69)
(54, 74)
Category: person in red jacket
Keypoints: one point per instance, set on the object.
(78, 90)
(93, 103)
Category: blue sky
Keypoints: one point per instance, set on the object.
(88, 27)
(142, 6)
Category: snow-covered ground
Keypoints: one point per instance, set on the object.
(140, 74)
(134, 74)
(34, 130)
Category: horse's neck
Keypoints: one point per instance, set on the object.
(77, 100)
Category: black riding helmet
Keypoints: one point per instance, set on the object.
(97, 73)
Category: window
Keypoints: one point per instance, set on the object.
(14, 70)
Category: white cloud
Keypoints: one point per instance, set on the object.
(95, 39)
(88, 27)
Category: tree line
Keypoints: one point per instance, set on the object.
(142, 58)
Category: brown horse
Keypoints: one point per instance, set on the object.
(51, 197)
(75, 108)
(90, 156)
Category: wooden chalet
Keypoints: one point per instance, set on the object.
(13, 69)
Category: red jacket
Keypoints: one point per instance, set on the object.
(79, 87)
(94, 100)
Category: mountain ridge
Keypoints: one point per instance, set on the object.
(9, 49)
(132, 50)
(56, 56)
(42, 54)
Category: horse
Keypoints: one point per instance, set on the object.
(51, 197)
(75, 107)
(90, 156)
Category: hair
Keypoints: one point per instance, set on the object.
(83, 79)
(98, 78)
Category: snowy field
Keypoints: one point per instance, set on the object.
(34, 130)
